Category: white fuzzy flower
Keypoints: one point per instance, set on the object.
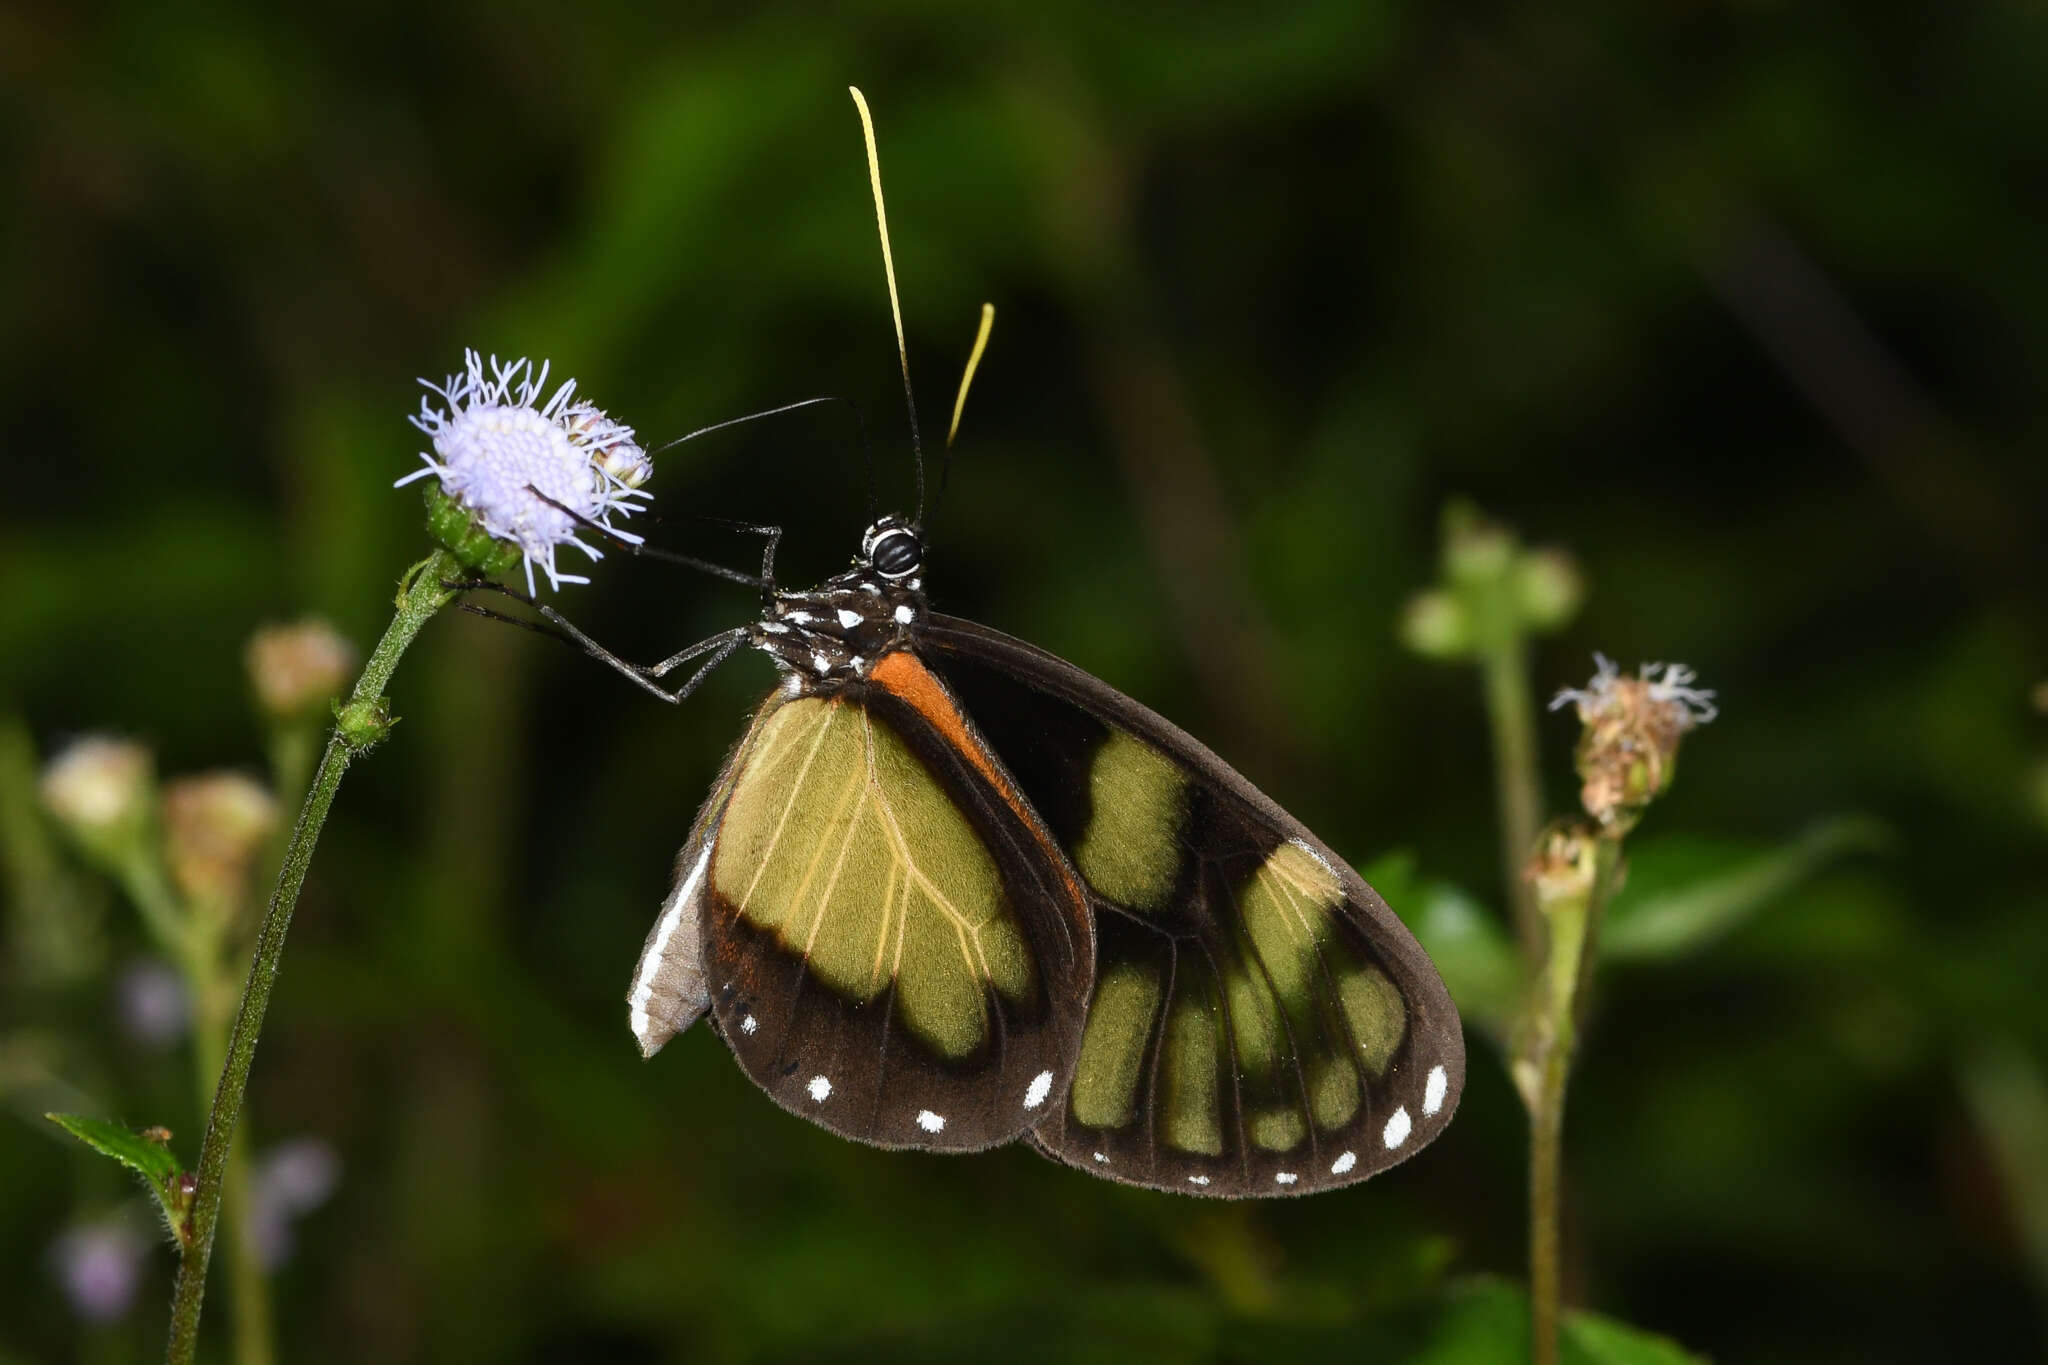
(534, 472)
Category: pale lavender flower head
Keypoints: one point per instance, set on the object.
(292, 1179)
(100, 1266)
(529, 467)
(155, 1007)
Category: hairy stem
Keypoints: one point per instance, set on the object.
(420, 596)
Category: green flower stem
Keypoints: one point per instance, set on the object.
(250, 1294)
(1549, 1034)
(360, 723)
(1517, 782)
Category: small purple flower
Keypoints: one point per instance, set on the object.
(292, 1179)
(155, 1007)
(100, 1265)
(533, 471)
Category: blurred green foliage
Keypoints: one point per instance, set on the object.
(1741, 303)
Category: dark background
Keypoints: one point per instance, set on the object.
(1741, 303)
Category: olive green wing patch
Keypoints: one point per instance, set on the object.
(890, 946)
(1262, 1023)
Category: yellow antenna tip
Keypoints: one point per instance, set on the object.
(988, 321)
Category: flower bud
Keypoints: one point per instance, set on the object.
(215, 825)
(1563, 867)
(297, 669)
(1548, 589)
(1433, 625)
(103, 792)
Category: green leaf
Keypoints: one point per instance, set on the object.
(147, 1152)
(1465, 940)
(1684, 892)
(1486, 1320)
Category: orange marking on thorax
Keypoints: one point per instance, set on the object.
(904, 676)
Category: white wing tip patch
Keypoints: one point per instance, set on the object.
(1397, 1129)
(1344, 1163)
(1433, 1093)
(929, 1121)
(1041, 1086)
(820, 1088)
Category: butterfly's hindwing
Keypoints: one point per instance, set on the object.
(892, 944)
(1261, 1023)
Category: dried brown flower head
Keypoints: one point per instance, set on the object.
(1630, 744)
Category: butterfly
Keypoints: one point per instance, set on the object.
(950, 891)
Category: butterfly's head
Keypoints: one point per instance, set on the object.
(892, 548)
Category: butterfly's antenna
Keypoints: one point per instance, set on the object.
(867, 127)
(768, 412)
(988, 321)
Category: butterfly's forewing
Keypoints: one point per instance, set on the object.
(1261, 1023)
(891, 942)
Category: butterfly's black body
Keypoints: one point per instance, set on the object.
(1179, 986)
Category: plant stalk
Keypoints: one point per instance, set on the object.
(1550, 1036)
(420, 597)
(1517, 783)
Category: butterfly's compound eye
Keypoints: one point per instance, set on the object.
(896, 554)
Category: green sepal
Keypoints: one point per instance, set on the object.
(1683, 892)
(1465, 940)
(147, 1152)
(463, 533)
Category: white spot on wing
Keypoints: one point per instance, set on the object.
(802, 618)
(821, 663)
(1041, 1086)
(749, 1024)
(848, 619)
(1198, 1180)
(820, 1088)
(1343, 1163)
(1102, 1158)
(1433, 1092)
(1397, 1129)
(929, 1121)
(906, 614)
(1285, 1177)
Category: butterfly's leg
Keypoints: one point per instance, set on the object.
(724, 643)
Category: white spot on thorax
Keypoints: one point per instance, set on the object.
(1041, 1086)
(906, 613)
(1433, 1092)
(1343, 1163)
(929, 1121)
(1397, 1129)
(1285, 1177)
(748, 1024)
(820, 1089)
(1198, 1180)
(848, 619)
